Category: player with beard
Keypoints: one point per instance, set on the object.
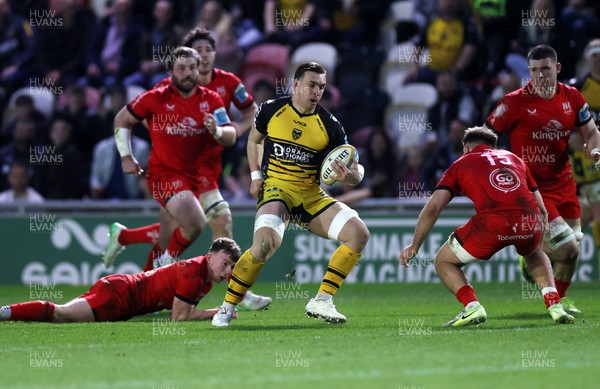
(184, 119)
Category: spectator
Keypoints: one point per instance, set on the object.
(454, 110)
(21, 149)
(115, 52)
(24, 109)
(61, 52)
(16, 51)
(452, 40)
(580, 23)
(263, 90)
(349, 22)
(164, 36)
(87, 130)
(215, 18)
(18, 179)
(107, 180)
(410, 180)
(291, 22)
(59, 170)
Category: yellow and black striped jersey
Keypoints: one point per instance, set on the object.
(583, 166)
(296, 144)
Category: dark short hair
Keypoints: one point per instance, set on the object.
(182, 52)
(227, 245)
(542, 52)
(198, 33)
(480, 135)
(309, 67)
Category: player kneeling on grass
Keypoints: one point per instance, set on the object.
(117, 297)
(510, 211)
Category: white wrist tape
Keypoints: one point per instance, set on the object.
(123, 141)
(256, 175)
(218, 132)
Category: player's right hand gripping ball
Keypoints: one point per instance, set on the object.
(345, 153)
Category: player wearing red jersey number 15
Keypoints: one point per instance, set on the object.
(509, 210)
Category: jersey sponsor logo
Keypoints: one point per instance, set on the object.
(513, 237)
(203, 106)
(504, 179)
(296, 133)
(291, 153)
(567, 107)
(300, 123)
(221, 90)
(532, 112)
(551, 131)
(186, 127)
(240, 93)
(499, 111)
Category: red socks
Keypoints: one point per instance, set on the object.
(466, 295)
(146, 234)
(177, 244)
(32, 311)
(562, 287)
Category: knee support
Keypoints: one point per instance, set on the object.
(339, 221)
(558, 235)
(273, 222)
(214, 205)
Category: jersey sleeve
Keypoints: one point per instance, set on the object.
(264, 114)
(449, 181)
(583, 110)
(531, 184)
(141, 107)
(189, 285)
(501, 119)
(217, 108)
(335, 130)
(240, 96)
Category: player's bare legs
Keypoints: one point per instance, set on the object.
(76, 310)
(221, 227)
(448, 268)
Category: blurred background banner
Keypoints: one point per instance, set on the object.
(64, 246)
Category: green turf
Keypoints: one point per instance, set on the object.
(393, 339)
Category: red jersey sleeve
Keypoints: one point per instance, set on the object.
(531, 184)
(217, 108)
(583, 110)
(142, 106)
(502, 118)
(189, 286)
(449, 180)
(240, 96)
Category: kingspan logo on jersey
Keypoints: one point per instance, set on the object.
(552, 131)
(186, 127)
(292, 153)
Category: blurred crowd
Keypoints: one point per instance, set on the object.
(68, 66)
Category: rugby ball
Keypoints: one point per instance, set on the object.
(345, 153)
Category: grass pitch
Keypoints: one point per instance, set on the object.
(393, 339)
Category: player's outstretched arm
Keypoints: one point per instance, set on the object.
(429, 215)
(123, 123)
(254, 150)
(183, 311)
